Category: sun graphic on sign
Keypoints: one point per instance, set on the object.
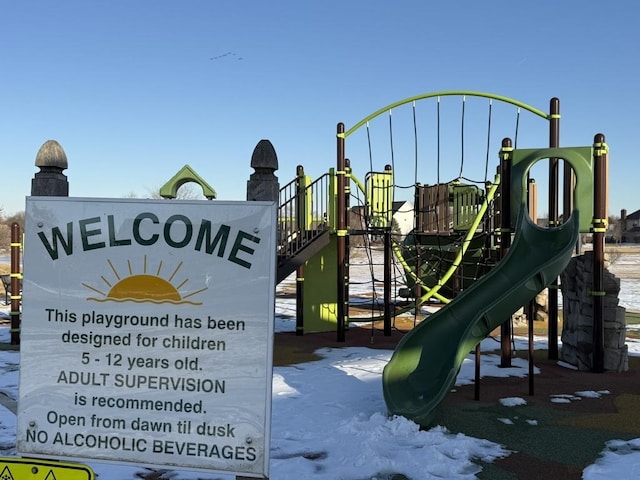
(143, 287)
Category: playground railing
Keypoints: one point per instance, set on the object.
(302, 214)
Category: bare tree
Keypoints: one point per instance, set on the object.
(188, 191)
(15, 218)
(5, 237)
(616, 229)
(5, 228)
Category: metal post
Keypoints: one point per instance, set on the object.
(417, 230)
(505, 238)
(341, 232)
(599, 229)
(552, 297)
(388, 258)
(300, 270)
(476, 385)
(387, 282)
(300, 300)
(530, 309)
(347, 238)
(531, 357)
(16, 283)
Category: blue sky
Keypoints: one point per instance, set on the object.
(135, 90)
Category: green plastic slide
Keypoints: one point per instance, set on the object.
(426, 362)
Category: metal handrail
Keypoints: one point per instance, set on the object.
(303, 213)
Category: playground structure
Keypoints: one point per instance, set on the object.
(475, 247)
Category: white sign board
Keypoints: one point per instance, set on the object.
(147, 332)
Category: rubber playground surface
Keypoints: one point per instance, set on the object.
(562, 429)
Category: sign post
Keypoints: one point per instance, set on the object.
(148, 333)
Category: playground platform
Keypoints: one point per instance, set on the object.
(550, 439)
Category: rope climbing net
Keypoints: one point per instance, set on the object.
(431, 190)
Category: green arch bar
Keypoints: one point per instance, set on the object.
(446, 93)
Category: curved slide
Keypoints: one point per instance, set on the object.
(425, 364)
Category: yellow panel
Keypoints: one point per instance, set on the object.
(13, 468)
(379, 186)
(320, 296)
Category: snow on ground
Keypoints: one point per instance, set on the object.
(512, 401)
(329, 419)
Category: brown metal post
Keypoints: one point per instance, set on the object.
(599, 229)
(347, 238)
(16, 281)
(300, 301)
(476, 384)
(552, 298)
(530, 375)
(300, 269)
(417, 289)
(341, 233)
(505, 238)
(417, 229)
(532, 192)
(388, 254)
(388, 260)
(530, 307)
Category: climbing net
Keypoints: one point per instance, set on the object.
(431, 188)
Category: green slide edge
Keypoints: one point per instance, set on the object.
(426, 362)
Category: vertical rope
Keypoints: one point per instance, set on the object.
(486, 161)
(435, 216)
(393, 166)
(389, 213)
(515, 138)
(370, 151)
(464, 101)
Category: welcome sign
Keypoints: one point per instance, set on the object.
(147, 332)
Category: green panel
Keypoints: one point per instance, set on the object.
(333, 193)
(580, 159)
(379, 197)
(304, 216)
(320, 294)
(466, 203)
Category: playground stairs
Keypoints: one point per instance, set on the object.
(304, 224)
(295, 249)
